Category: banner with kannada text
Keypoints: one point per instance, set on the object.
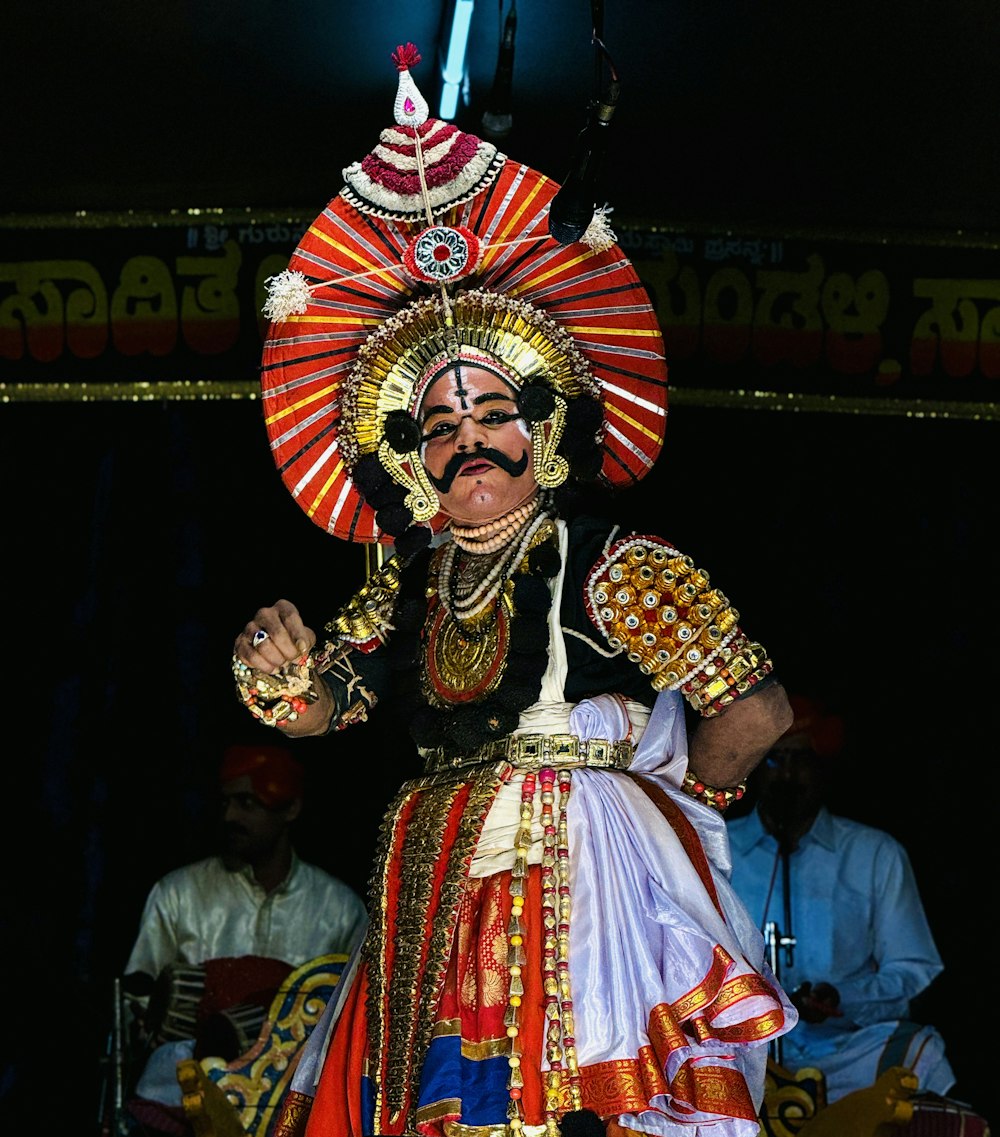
(124, 306)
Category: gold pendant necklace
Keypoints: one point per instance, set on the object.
(468, 620)
(463, 661)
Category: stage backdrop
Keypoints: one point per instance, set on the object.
(133, 306)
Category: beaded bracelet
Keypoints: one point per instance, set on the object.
(738, 690)
(718, 682)
(720, 799)
(276, 699)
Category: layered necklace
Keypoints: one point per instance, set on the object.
(494, 534)
(497, 549)
(468, 629)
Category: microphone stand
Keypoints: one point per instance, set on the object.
(775, 939)
(572, 209)
(785, 852)
(498, 116)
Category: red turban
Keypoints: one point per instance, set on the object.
(276, 777)
(824, 731)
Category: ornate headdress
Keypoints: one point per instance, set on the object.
(438, 249)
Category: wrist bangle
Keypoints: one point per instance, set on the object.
(720, 799)
(276, 699)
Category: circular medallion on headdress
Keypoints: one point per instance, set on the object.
(365, 313)
(442, 254)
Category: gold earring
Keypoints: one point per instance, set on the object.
(550, 469)
(409, 472)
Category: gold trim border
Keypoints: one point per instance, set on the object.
(690, 226)
(743, 399)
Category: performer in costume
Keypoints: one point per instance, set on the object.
(554, 944)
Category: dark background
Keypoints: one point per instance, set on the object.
(854, 113)
(142, 536)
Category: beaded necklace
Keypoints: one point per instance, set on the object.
(469, 598)
(451, 673)
(493, 534)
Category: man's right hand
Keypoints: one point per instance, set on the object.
(275, 638)
(287, 638)
(818, 1003)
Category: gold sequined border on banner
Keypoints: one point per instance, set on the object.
(210, 390)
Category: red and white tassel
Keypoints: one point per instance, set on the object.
(410, 107)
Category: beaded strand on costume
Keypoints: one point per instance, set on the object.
(563, 1077)
(562, 958)
(550, 981)
(516, 957)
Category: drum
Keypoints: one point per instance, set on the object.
(174, 1004)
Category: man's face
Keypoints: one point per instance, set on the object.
(250, 829)
(475, 446)
(792, 782)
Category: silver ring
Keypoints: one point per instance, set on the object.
(259, 637)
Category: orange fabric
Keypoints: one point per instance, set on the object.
(336, 1109)
(475, 991)
(823, 731)
(275, 775)
(404, 832)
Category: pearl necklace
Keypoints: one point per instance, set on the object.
(496, 533)
(488, 589)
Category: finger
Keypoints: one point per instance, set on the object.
(264, 644)
(256, 648)
(274, 637)
(302, 637)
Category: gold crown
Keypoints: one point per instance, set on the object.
(398, 361)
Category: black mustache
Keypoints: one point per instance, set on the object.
(481, 454)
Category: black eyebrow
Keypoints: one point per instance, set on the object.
(486, 397)
(443, 409)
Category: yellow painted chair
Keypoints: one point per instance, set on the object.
(795, 1105)
(239, 1098)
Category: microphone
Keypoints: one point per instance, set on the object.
(497, 118)
(572, 208)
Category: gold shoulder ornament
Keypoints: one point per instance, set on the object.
(652, 602)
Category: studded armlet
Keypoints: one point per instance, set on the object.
(651, 602)
(366, 617)
(361, 624)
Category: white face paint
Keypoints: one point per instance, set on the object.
(475, 445)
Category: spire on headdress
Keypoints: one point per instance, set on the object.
(410, 107)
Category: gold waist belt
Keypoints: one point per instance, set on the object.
(533, 751)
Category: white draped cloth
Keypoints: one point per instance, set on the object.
(644, 931)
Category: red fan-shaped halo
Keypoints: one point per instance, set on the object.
(355, 262)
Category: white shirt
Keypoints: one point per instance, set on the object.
(859, 924)
(205, 911)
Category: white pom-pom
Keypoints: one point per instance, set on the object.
(288, 294)
(599, 235)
